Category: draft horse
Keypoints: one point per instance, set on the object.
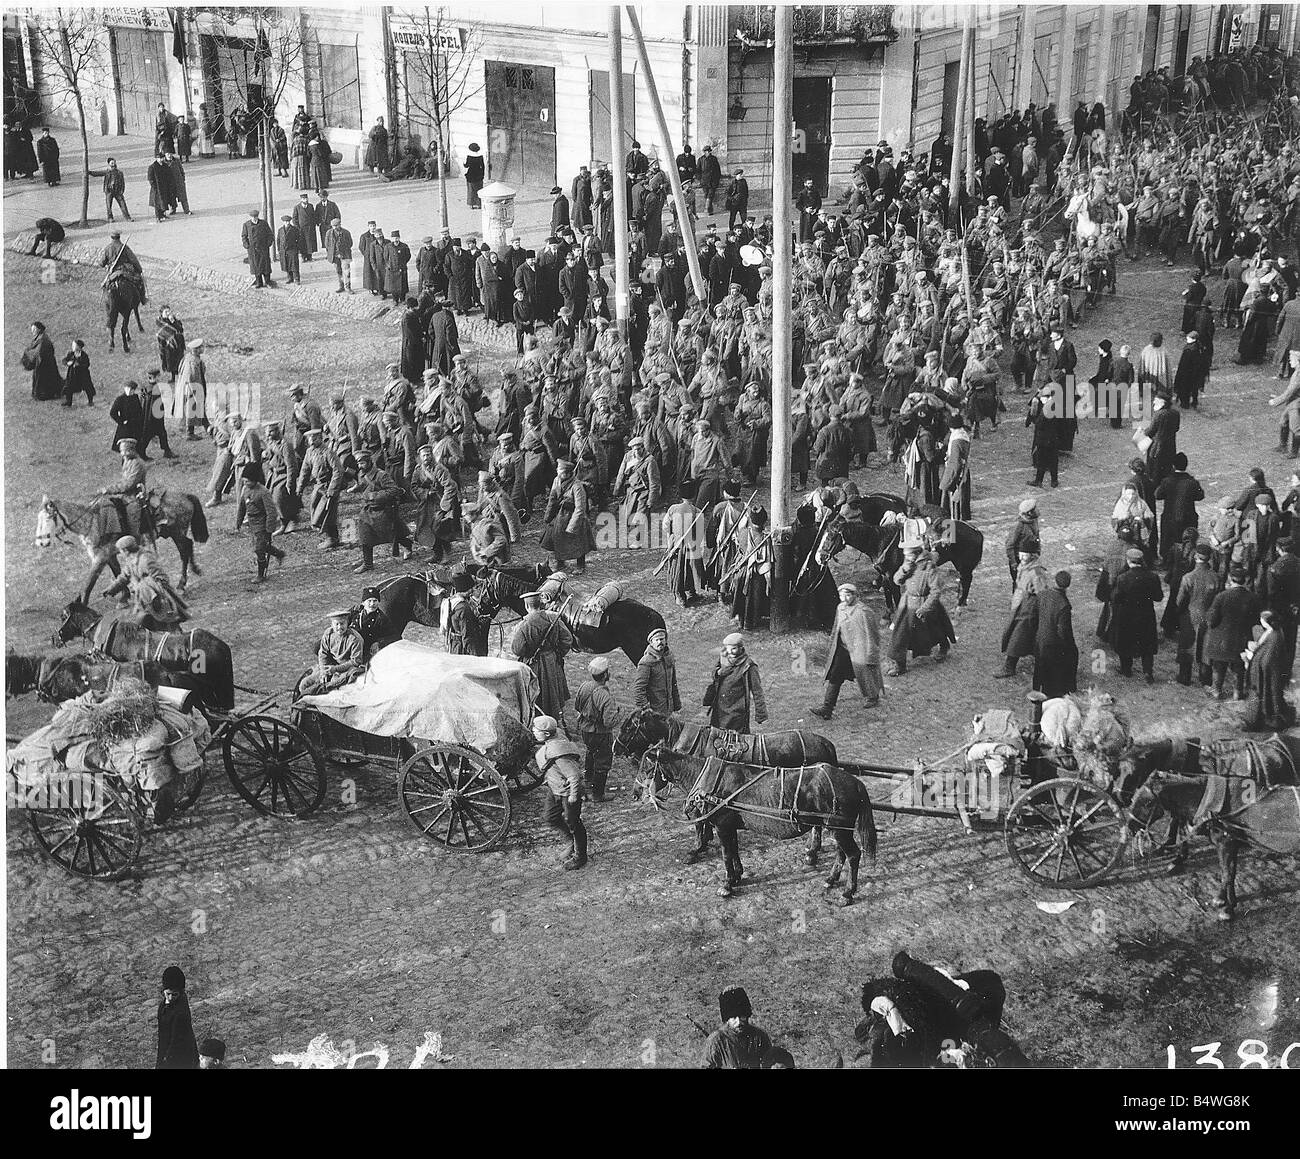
(786, 749)
(782, 803)
(1240, 792)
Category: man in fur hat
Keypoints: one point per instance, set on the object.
(737, 1044)
(465, 631)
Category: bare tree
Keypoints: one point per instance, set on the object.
(260, 67)
(74, 41)
(438, 75)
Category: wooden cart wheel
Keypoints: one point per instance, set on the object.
(93, 832)
(455, 796)
(273, 766)
(1066, 833)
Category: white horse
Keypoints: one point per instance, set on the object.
(1085, 228)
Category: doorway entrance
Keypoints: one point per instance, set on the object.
(521, 124)
(812, 113)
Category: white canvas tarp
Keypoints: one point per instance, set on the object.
(413, 691)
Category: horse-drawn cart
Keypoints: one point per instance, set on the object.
(457, 729)
(1063, 828)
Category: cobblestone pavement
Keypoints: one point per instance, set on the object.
(345, 924)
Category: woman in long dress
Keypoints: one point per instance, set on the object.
(299, 163)
(320, 170)
(171, 342)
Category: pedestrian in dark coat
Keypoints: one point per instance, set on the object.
(39, 357)
(47, 153)
(1180, 492)
(78, 377)
(460, 275)
(1133, 628)
(304, 217)
(1267, 709)
(1019, 635)
(1023, 537)
(1056, 655)
(1232, 615)
(656, 677)
(1192, 373)
(288, 249)
(1162, 430)
(127, 412)
(559, 210)
(412, 357)
(444, 341)
(1196, 593)
(397, 257)
(177, 1049)
(735, 693)
(257, 239)
(474, 172)
(160, 187)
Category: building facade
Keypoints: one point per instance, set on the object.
(534, 92)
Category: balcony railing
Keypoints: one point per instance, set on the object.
(817, 24)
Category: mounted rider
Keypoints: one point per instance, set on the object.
(134, 487)
(120, 261)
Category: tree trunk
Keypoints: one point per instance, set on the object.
(268, 203)
(85, 163)
(442, 177)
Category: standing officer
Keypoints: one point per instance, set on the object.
(560, 762)
(600, 717)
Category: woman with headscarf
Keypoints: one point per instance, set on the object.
(177, 1049)
(1132, 511)
(1260, 319)
(299, 162)
(1155, 364)
(171, 342)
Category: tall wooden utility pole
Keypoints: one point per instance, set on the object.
(618, 166)
(958, 138)
(782, 517)
(670, 159)
(968, 50)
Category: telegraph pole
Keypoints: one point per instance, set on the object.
(958, 139)
(782, 516)
(968, 54)
(670, 160)
(618, 166)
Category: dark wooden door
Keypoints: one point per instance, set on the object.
(521, 124)
(812, 114)
(600, 114)
(951, 86)
(141, 59)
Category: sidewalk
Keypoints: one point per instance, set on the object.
(221, 192)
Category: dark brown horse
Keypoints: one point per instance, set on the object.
(874, 531)
(626, 624)
(1240, 792)
(786, 749)
(197, 654)
(98, 525)
(122, 298)
(782, 803)
(62, 675)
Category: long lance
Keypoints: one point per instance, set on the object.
(739, 566)
(668, 555)
(731, 535)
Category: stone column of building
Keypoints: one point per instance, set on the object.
(1025, 58)
(896, 81)
(1103, 62)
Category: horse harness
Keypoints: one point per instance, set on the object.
(101, 641)
(705, 792)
